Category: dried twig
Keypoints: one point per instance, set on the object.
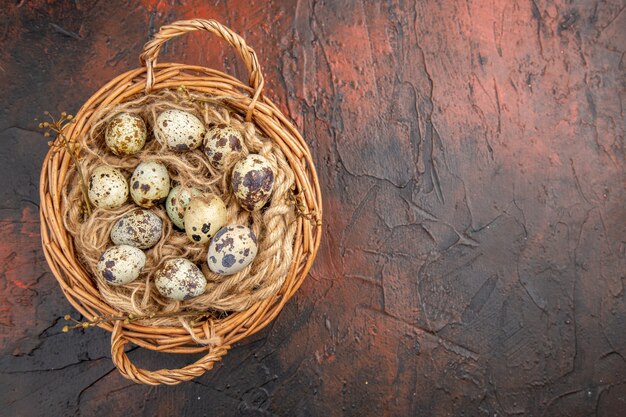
(56, 126)
(127, 319)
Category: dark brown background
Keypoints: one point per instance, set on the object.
(471, 156)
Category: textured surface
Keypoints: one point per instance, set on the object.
(471, 156)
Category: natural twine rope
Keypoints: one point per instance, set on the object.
(275, 226)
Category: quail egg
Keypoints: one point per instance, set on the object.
(177, 202)
(108, 188)
(232, 249)
(139, 228)
(204, 216)
(126, 134)
(120, 265)
(180, 279)
(150, 184)
(252, 181)
(221, 141)
(179, 130)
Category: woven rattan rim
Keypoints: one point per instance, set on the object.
(75, 281)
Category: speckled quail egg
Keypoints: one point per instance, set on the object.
(122, 264)
(220, 141)
(205, 215)
(139, 228)
(150, 184)
(108, 188)
(252, 181)
(179, 130)
(180, 279)
(232, 249)
(126, 134)
(177, 202)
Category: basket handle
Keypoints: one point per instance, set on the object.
(161, 376)
(151, 51)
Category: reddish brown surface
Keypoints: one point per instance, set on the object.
(471, 156)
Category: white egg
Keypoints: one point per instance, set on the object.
(205, 215)
(139, 228)
(252, 181)
(126, 134)
(120, 265)
(232, 249)
(150, 184)
(179, 130)
(220, 142)
(108, 188)
(177, 202)
(180, 279)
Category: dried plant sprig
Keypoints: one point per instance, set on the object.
(56, 127)
(301, 209)
(129, 318)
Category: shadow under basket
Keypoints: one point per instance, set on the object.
(76, 281)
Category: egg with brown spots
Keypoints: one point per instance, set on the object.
(120, 265)
(179, 130)
(125, 134)
(177, 202)
(252, 181)
(205, 215)
(220, 142)
(150, 184)
(232, 249)
(108, 188)
(139, 228)
(180, 279)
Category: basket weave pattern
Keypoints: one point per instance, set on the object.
(77, 283)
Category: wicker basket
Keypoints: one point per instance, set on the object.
(77, 284)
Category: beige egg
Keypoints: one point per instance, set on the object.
(252, 181)
(120, 265)
(220, 142)
(179, 130)
(180, 279)
(126, 134)
(150, 184)
(139, 228)
(177, 202)
(205, 215)
(232, 249)
(108, 188)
